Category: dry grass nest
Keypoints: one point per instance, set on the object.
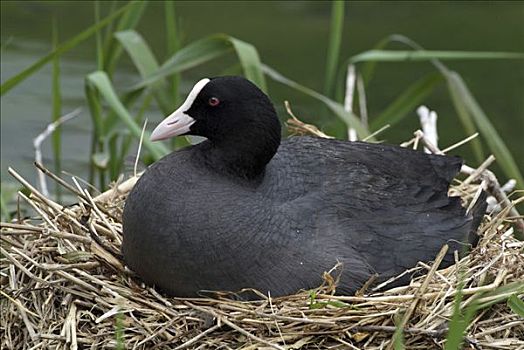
(64, 286)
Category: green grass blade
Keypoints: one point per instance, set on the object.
(95, 110)
(516, 305)
(68, 45)
(398, 336)
(464, 116)
(97, 136)
(99, 45)
(349, 118)
(404, 104)
(487, 130)
(192, 55)
(56, 137)
(250, 61)
(114, 156)
(333, 52)
(206, 49)
(126, 140)
(426, 55)
(461, 319)
(101, 82)
(129, 20)
(172, 41)
(132, 16)
(500, 294)
(173, 45)
(119, 331)
(458, 326)
(367, 68)
(110, 29)
(112, 120)
(139, 52)
(146, 64)
(468, 110)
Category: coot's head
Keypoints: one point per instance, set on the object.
(224, 110)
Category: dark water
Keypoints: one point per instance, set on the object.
(292, 38)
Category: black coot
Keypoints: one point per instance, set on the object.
(245, 210)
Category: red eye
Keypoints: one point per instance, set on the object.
(213, 101)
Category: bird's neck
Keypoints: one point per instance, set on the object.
(244, 157)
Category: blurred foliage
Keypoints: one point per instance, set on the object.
(117, 116)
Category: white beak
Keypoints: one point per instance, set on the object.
(178, 122)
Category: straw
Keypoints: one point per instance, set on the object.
(64, 285)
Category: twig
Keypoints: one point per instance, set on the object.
(375, 133)
(498, 329)
(37, 142)
(21, 267)
(43, 214)
(273, 313)
(476, 197)
(18, 303)
(348, 99)
(402, 324)
(493, 205)
(139, 148)
(410, 330)
(345, 343)
(428, 121)
(198, 337)
(102, 217)
(460, 143)
(249, 335)
(124, 187)
(477, 172)
(71, 317)
(299, 125)
(235, 327)
(29, 325)
(430, 145)
(21, 226)
(42, 197)
(362, 102)
(59, 180)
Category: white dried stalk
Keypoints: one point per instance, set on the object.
(428, 121)
(362, 101)
(351, 78)
(139, 148)
(37, 143)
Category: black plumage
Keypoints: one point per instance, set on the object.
(244, 210)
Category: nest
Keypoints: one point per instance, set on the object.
(64, 286)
